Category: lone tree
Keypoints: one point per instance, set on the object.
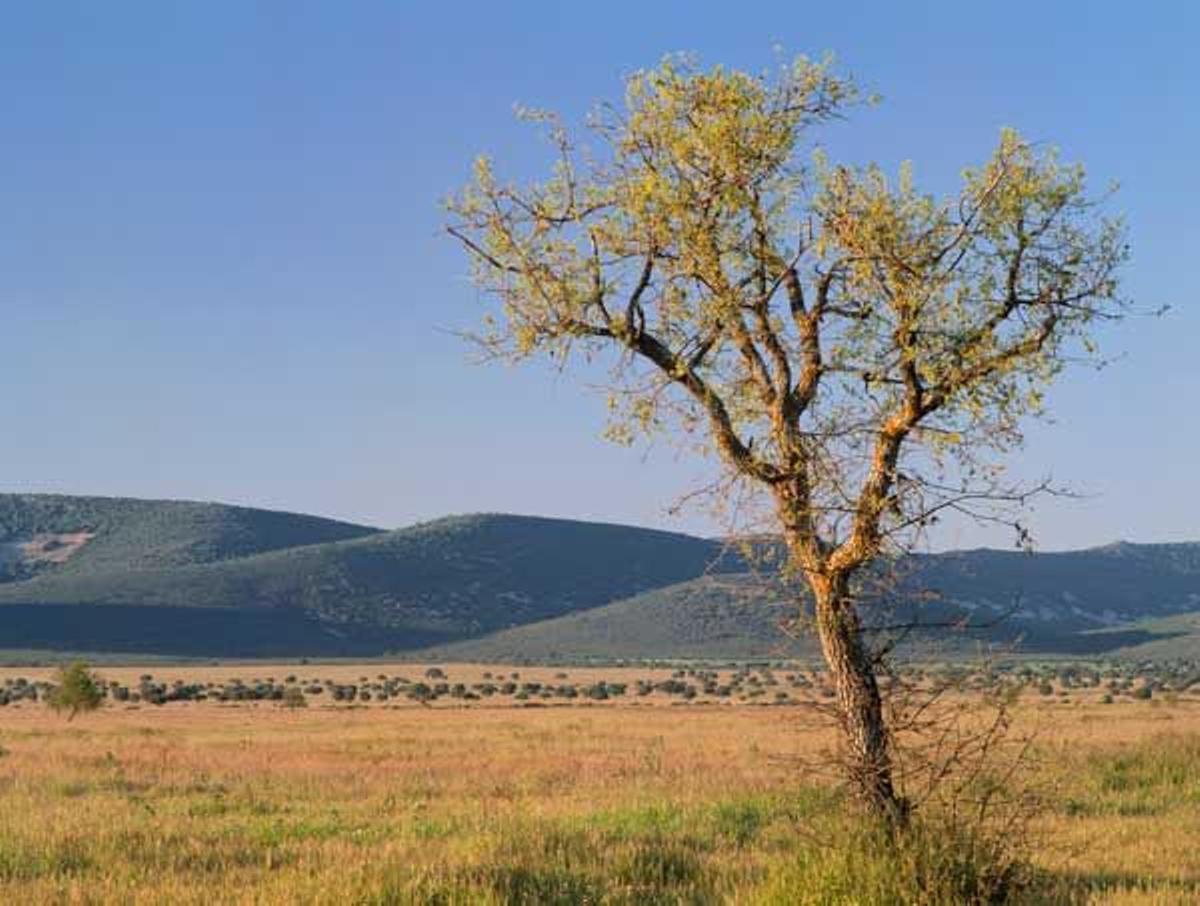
(76, 690)
(858, 353)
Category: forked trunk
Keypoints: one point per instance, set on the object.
(868, 744)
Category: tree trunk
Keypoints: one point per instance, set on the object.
(868, 745)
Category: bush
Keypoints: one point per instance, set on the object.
(76, 690)
(930, 864)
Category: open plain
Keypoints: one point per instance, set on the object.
(631, 799)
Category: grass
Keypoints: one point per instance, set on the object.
(200, 803)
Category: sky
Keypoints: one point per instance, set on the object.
(223, 275)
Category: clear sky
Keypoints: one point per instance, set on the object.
(222, 275)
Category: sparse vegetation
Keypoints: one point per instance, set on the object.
(592, 800)
(761, 684)
(175, 578)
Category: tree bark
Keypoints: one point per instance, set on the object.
(860, 705)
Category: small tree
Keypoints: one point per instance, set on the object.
(853, 352)
(76, 690)
(293, 697)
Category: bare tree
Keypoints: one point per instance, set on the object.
(856, 353)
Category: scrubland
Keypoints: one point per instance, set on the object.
(634, 801)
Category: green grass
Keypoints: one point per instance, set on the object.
(1148, 780)
(446, 807)
(797, 848)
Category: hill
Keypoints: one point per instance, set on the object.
(718, 616)
(81, 536)
(372, 592)
(1129, 599)
(1094, 588)
(1016, 602)
(197, 579)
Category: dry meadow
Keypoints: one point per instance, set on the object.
(634, 801)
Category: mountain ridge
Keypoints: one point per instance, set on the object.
(190, 577)
(448, 578)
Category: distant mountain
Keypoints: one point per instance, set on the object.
(1090, 589)
(196, 579)
(77, 536)
(364, 593)
(718, 616)
(1078, 603)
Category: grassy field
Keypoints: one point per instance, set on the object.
(649, 801)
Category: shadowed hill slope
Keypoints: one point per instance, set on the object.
(102, 574)
(449, 579)
(718, 616)
(1099, 601)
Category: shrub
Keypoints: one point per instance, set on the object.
(930, 864)
(76, 690)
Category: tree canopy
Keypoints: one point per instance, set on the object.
(77, 691)
(856, 351)
(817, 321)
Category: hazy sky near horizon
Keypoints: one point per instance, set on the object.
(222, 274)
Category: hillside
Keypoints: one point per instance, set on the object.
(177, 578)
(1011, 604)
(719, 616)
(380, 591)
(1094, 588)
(1128, 599)
(84, 536)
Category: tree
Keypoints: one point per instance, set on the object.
(856, 353)
(293, 697)
(76, 690)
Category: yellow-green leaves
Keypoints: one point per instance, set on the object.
(828, 327)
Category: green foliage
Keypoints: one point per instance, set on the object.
(1147, 779)
(737, 615)
(517, 587)
(62, 860)
(727, 615)
(447, 579)
(931, 864)
(818, 328)
(133, 534)
(76, 690)
(623, 859)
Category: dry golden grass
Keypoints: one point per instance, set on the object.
(253, 803)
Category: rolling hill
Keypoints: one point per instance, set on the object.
(1079, 603)
(715, 616)
(362, 591)
(80, 536)
(198, 579)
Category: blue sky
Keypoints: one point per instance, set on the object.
(222, 274)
